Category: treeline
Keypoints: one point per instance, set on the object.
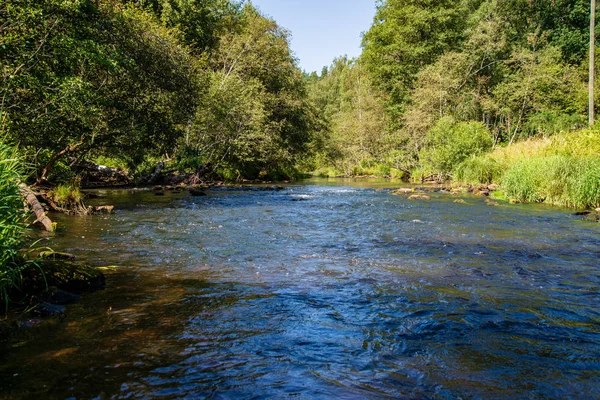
(208, 84)
(211, 86)
(442, 81)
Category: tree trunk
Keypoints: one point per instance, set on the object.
(592, 63)
(53, 160)
(36, 207)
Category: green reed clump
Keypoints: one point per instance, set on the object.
(585, 188)
(12, 217)
(479, 169)
(563, 180)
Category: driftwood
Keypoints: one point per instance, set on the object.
(36, 207)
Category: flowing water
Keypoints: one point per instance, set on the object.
(328, 289)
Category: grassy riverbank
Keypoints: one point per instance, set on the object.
(562, 170)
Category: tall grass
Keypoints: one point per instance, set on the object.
(12, 217)
(563, 169)
(66, 195)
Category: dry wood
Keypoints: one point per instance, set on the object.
(36, 207)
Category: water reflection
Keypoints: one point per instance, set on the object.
(322, 291)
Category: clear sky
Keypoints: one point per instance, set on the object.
(321, 29)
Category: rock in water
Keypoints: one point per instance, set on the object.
(48, 310)
(64, 275)
(403, 191)
(55, 255)
(196, 192)
(419, 197)
(59, 297)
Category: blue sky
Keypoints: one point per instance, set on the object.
(321, 29)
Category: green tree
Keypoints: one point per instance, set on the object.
(257, 119)
(85, 76)
(405, 37)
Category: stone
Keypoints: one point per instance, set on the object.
(460, 201)
(196, 192)
(55, 255)
(103, 209)
(54, 295)
(48, 310)
(403, 191)
(419, 197)
(157, 188)
(64, 275)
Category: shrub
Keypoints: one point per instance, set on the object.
(550, 123)
(449, 143)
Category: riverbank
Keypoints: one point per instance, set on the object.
(562, 170)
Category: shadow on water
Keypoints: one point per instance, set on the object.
(321, 291)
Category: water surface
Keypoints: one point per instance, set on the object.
(329, 289)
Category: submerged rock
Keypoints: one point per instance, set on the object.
(48, 310)
(419, 197)
(403, 191)
(579, 213)
(64, 275)
(196, 192)
(460, 201)
(59, 297)
(55, 255)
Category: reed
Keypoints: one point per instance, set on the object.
(12, 218)
(562, 170)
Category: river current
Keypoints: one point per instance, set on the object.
(325, 289)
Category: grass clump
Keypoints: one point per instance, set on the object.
(479, 169)
(12, 218)
(66, 195)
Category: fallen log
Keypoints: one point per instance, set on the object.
(37, 208)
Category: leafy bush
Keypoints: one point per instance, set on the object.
(12, 217)
(449, 143)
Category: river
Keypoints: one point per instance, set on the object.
(325, 289)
